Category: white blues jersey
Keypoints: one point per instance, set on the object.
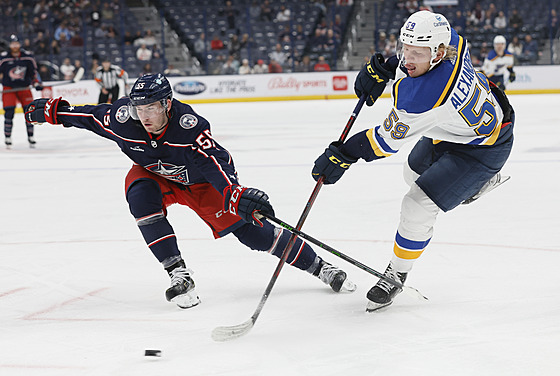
(452, 102)
(495, 65)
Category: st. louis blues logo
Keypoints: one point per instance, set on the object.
(122, 114)
(188, 121)
(169, 171)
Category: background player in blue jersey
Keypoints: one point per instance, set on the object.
(18, 70)
(465, 125)
(176, 160)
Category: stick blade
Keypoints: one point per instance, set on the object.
(227, 333)
(414, 292)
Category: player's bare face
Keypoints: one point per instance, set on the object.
(499, 48)
(153, 117)
(417, 59)
(15, 46)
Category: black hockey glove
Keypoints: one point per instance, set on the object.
(44, 110)
(38, 86)
(511, 76)
(332, 163)
(373, 78)
(246, 203)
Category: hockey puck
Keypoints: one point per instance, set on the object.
(156, 353)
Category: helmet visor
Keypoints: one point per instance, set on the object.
(146, 110)
(408, 53)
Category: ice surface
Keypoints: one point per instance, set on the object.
(80, 294)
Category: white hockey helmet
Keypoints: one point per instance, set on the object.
(426, 29)
(499, 39)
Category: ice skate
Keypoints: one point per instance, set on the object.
(382, 294)
(8, 142)
(490, 185)
(335, 277)
(182, 291)
(31, 141)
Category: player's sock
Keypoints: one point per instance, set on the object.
(182, 291)
(333, 276)
(382, 294)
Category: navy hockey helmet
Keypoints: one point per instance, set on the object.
(14, 38)
(148, 89)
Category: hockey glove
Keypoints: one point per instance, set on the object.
(38, 86)
(246, 203)
(511, 76)
(373, 78)
(332, 164)
(44, 110)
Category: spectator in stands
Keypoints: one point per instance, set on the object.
(411, 6)
(146, 69)
(156, 52)
(516, 21)
(45, 73)
(245, 68)
(55, 47)
(381, 42)
(330, 40)
(200, 47)
(246, 41)
(143, 53)
(530, 50)
(26, 45)
(67, 69)
(285, 35)
(107, 13)
(516, 47)
(460, 22)
(137, 38)
(500, 22)
(230, 12)
(283, 14)
(477, 16)
(234, 46)
(216, 43)
(149, 38)
(391, 46)
(41, 9)
(554, 25)
(77, 40)
(279, 55)
(274, 67)
(321, 65)
(128, 37)
(25, 27)
(305, 65)
(110, 32)
(172, 71)
(260, 67)
(63, 29)
(255, 10)
(41, 48)
(231, 66)
(266, 11)
(79, 71)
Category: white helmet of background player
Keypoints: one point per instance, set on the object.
(426, 29)
(499, 39)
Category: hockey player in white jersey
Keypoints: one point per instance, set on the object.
(498, 65)
(465, 125)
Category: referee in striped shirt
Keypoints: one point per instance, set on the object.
(108, 76)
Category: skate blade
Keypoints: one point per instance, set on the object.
(188, 300)
(348, 286)
(372, 307)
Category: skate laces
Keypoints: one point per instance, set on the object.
(327, 273)
(394, 275)
(179, 275)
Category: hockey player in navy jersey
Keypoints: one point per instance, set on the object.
(18, 70)
(176, 160)
(498, 65)
(465, 124)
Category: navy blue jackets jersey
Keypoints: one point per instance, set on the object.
(184, 153)
(18, 71)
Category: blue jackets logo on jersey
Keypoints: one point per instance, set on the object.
(169, 171)
(17, 73)
(122, 114)
(188, 121)
(190, 87)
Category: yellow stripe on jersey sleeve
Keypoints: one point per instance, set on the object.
(376, 148)
(455, 72)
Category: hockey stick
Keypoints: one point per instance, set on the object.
(31, 87)
(347, 258)
(226, 333)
